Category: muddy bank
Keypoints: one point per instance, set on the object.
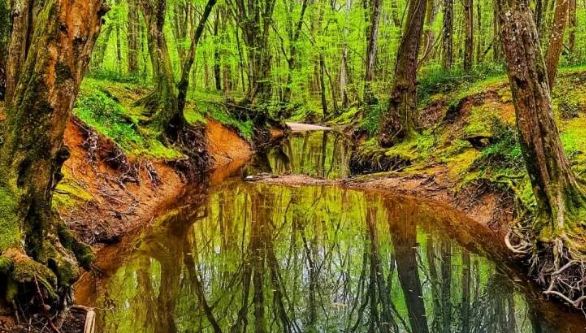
(105, 195)
(486, 207)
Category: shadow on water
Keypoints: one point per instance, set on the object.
(323, 154)
(252, 257)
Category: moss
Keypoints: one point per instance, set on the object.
(69, 194)
(9, 221)
(100, 106)
(83, 253)
(347, 116)
(459, 164)
(418, 147)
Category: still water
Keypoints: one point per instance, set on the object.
(252, 257)
(323, 154)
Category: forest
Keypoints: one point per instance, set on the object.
(292, 166)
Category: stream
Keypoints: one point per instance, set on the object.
(254, 257)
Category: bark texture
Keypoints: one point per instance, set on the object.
(556, 40)
(469, 34)
(448, 35)
(162, 103)
(559, 197)
(49, 52)
(399, 123)
(371, 49)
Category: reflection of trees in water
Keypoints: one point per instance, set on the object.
(265, 259)
(322, 154)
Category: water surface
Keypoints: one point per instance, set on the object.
(323, 154)
(267, 258)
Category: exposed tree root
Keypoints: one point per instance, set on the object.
(555, 265)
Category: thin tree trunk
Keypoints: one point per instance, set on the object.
(399, 122)
(133, 37)
(217, 67)
(371, 49)
(556, 40)
(4, 39)
(183, 84)
(573, 25)
(469, 34)
(448, 35)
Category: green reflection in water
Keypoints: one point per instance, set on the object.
(265, 258)
(323, 154)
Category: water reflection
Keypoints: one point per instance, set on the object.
(260, 258)
(323, 154)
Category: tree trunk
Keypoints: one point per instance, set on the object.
(50, 49)
(162, 102)
(255, 19)
(573, 25)
(556, 40)
(100, 50)
(292, 60)
(469, 34)
(133, 37)
(217, 67)
(4, 38)
(448, 35)
(559, 198)
(371, 49)
(399, 122)
(183, 84)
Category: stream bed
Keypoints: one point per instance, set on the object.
(253, 257)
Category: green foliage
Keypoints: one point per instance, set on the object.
(437, 80)
(115, 76)
(372, 118)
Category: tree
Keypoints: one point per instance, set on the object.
(254, 18)
(162, 103)
(133, 32)
(556, 40)
(448, 35)
(560, 199)
(371, 48)
(4, 37)
(573, 25)
(399, 121)
(469, 34)
(45, 75)
(189, 59)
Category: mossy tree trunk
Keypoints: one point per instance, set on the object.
(399, 121)
(162, 103)
(448, 35)
(133, 32)
(50, 49)
(560, 199)
(4, 36)
(372, 29)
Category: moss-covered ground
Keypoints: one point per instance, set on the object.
(472, 133)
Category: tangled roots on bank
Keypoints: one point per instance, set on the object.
(554, 265)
